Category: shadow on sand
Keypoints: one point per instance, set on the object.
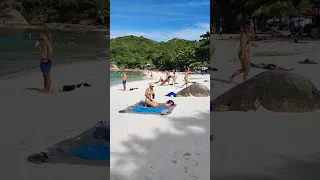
(292, 169)
(35, 89)
(62, 151)
(169, 143)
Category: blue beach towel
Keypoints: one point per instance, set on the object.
(171, 94)
(147, 110)
(93, 152)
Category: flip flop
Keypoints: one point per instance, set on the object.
(87, 85)
(122, 111)
(34, 158)
(44, 157)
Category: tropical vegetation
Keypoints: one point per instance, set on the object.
(139, 52)
(228, 13)
(60, 11)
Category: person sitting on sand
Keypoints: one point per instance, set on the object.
(160, 80)
(166, 80)
(149, 94)
(124, 80)
(174, 78)
(167, 74)
(186, 78)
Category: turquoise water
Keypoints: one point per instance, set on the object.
(18, 51)
(115, 77)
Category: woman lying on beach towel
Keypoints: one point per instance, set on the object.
(269, 67)
(149, 94)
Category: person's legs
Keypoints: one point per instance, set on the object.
(47, 81)
(124, 85)
(150, 103)
(246, 67)
(155, 104)
(239, 71)
(44, 81)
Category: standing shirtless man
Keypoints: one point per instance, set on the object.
(45, 61)
(124, 81)
(244, 52)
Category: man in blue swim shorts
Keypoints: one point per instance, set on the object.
(45, 47)
(124, 81)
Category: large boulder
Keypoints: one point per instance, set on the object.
(196, 89)
(277, 91)
(113, 67)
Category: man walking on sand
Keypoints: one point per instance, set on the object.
(45, 47)
(124, 81)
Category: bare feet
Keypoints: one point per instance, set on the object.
(230, 80)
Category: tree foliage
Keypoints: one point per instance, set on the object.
(61, 11)
(225, 12)
(137, 52)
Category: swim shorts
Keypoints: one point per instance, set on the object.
(124, 82)
(45, 66)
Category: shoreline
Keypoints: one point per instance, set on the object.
(28, 71)
(58, 26)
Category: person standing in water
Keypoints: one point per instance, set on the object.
(45, 60)
(124, 81)
(244, 52)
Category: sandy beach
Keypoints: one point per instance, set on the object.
(157, 147)
(32, 121)
(263, 144)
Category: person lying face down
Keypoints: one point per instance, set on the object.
(149, 94)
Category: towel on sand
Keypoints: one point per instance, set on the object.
(93, 152)
(141, 109)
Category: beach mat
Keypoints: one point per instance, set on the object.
(93, 152)
(66, 151)
(139, 108)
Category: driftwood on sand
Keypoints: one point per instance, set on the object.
(278, 91)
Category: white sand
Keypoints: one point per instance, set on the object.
(31, 122)
(154, 147)
(263, 144)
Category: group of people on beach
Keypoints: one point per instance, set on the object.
(149, 93)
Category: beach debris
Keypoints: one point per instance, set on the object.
(196, 89)
(278, 91)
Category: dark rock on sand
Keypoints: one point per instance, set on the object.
(277, 91)
(196, 89)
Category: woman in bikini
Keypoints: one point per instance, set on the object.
(149, 94)
(244, 52)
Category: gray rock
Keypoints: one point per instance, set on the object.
(277, 91)
(196, 89)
